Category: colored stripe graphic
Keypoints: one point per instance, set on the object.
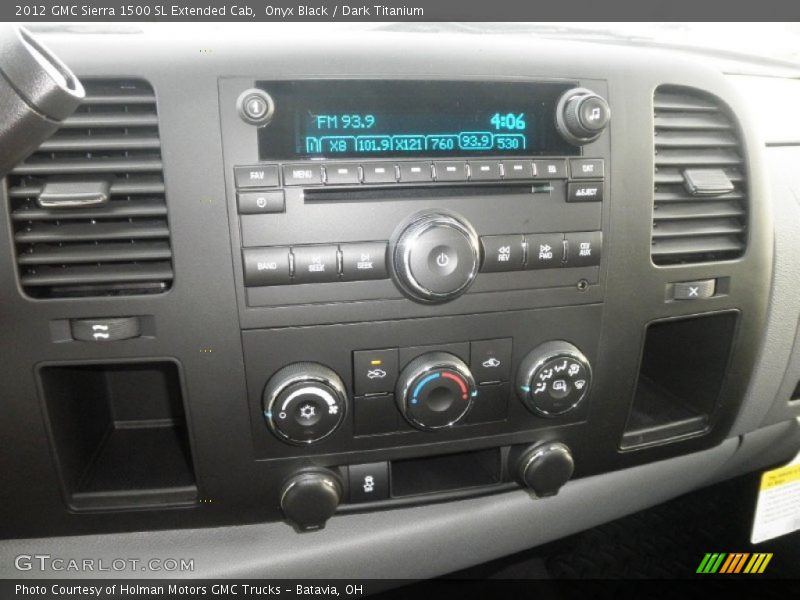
(734, 563)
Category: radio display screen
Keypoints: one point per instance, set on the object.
(333, 119)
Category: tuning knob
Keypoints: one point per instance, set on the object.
(436, 257)
(553, 378)
(309, 498)
(435, 390)
(581, 116)
(545, 468)
(304, 403)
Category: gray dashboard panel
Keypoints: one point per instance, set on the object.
(405, 543)
(391, 543)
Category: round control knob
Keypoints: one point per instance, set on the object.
(255, 107)
(436, 257)
(581, 116)
(553, 379)
(544, 468)
(309, 498)
(435, 390)
(304, 403)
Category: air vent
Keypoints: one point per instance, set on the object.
(700, 209)
(88, 208)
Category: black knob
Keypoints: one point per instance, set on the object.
(304, 403)
(256, 107)
(435, 390)
(553, 378)
(545, 468)
(581, 116)
(309, 498)
(435, 257)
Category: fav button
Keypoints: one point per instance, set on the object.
(256, 176)
(364, 260)
(314, 264)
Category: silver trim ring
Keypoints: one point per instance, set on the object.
(578, 356)
(419, 225)
(333, 384)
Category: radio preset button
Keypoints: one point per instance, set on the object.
(502, 253)
(379, 172)
(254, 203)
(266, 266)
(586, 168)
(545, 250)
(415, 171)
(517, 169)
(484, 170)
(584, 248)
(550, 169)
(364, 260)
(256, 176)
(315, 264)
(591, 191)
(302, 174)
(341, 173)
(450, 171)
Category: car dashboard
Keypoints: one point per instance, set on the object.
(349, 296)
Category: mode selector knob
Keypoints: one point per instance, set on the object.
(553, 379)
(304, 403)
(435, 257)
(435, 390)
(581, 116)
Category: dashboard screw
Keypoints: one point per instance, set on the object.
(583, 285)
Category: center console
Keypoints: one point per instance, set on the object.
(442, 241)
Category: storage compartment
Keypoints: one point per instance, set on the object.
(446, 473)
(683, 365)
(120, 435)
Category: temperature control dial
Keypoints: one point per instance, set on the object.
(304, 403)
(436, 257)
(435, 390)
(553, 379)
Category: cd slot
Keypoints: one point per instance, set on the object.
(419, 193)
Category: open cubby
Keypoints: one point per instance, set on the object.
(680, 377)
(120, 435)
(431, 474)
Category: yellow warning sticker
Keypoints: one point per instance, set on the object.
(778, 503)
(780, 476)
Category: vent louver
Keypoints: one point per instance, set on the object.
(697, 139)
(118, 242)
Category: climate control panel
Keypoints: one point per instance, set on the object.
(432, 390)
